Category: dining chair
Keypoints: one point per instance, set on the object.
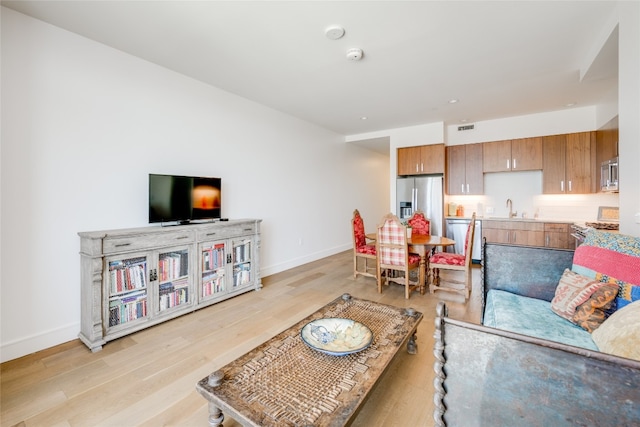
(392, 249)
(419, 223)
(364, 253)
(457, 262)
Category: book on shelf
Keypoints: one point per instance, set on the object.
(213, 257)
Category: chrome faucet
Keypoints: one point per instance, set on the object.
(512, 214)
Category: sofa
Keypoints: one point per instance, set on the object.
(559, 342)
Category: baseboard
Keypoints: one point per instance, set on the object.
(31, 344)
(296, 262)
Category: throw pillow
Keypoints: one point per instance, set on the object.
(572, 291)
(620, 333)
(590, 314)
(627, 292)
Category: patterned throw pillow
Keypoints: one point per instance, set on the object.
(627, 292)
(620, 333)
(572, 291)
(590, 314)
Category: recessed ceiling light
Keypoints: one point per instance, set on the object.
(364, 118)
(571, 104)
(334, 32)
(453, 101)
(463, 120)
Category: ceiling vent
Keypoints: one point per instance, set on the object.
(465, 127)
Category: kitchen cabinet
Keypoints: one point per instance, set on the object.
(606, 146)
(421, 160)
(464, 169)
(512, 155)
(514, 232)
(558, 235)
(569, 163)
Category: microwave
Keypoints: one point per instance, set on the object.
(609, 175)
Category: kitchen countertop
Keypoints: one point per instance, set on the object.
(496, 218)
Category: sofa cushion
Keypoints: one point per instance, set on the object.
(620, 333)
(572, 291)
(532, 317)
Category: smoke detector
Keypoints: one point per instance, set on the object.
(354, 54)
(334, 32)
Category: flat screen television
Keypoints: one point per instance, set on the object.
(184, 198)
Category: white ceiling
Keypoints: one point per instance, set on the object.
(499, 59)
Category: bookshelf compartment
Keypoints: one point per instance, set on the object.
(173, 279)
(135, 278)
(213, 272)
(127, 290)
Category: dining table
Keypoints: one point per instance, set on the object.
(423, 245)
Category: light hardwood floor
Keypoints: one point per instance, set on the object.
(149, 378)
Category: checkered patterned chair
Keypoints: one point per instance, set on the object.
(364, 254)
(393, 255)
(460, 262)
(419, 224)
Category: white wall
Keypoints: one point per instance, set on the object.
(82, 127)
(629, 117)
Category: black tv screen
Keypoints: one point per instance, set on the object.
(184, 198)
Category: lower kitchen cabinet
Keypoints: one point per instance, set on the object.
(514, 232)
(132, 279)
(528, 233)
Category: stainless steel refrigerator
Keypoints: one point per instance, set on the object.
(421, 193)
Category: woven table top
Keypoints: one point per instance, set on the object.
(283, 382)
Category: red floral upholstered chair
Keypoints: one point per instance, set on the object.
(364, 253)
(393, 254)
(448, 261)
(419, 224)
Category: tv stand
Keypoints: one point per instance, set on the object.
(135, 278)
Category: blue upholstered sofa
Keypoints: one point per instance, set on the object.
(547, 353)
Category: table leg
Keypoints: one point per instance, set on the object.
(412, 347)
(421, 275)
(216, 417)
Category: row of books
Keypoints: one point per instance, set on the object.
(173, 265)
(126, 309)
(213, 286)
(173, 297)
(242, 252)
(241, 275)
(125, 277)
(213, 258)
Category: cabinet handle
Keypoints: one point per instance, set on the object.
(508, 164)
(570, 187)
(248, 229)
(467, 188)
(561, 185)
(182, 237)
(417, 170)
(462, 188)
(547, 241)
(120, 245)
(514, 163)
(211, 234)
(421, 167)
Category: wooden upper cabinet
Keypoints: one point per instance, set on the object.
(512, 155)
(526, 154)
(569, 164)
(496, 156)
(421, 160)
(464, 169)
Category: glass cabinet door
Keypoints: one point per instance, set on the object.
(172, 276)
(127, 283)
(242, 273)
(214, 261)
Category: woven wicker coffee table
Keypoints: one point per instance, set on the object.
(284, 382)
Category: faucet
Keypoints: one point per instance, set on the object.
(512, 214)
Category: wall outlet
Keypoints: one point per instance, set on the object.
(300, 242)
(490, 210)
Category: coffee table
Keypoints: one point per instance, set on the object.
(284, 382)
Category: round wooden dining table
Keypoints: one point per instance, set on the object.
(423, 245)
